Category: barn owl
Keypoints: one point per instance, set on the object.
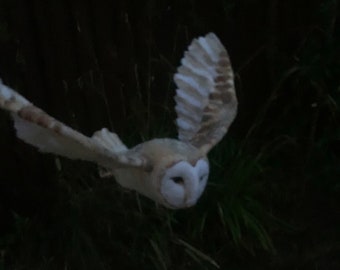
(172, 172)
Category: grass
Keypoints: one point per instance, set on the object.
(272, 197)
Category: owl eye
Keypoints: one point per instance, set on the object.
(178, 180)
(202, 177)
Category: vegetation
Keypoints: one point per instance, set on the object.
(273, 196)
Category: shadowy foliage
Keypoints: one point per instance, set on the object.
(272, 201)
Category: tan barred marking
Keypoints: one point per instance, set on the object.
(39, 129)
(35, 115)
(206, 99)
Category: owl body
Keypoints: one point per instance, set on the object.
(172, 172)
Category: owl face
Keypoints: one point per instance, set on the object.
(183, 183)
(179, 176)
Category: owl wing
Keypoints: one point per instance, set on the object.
(37, 128)
(206, 102)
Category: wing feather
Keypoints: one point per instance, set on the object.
(206, 102)
(37, 128)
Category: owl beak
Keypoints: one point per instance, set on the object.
(191, 197)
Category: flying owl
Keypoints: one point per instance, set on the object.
(172, 172)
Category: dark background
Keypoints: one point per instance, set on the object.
(273, 197)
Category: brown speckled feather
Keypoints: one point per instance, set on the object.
(37, 128)
(206, 102)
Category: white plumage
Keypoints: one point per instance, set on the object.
(172, 172)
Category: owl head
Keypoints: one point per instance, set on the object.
(179, 174)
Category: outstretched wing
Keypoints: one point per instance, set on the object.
(37, 128)
(206, 102)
